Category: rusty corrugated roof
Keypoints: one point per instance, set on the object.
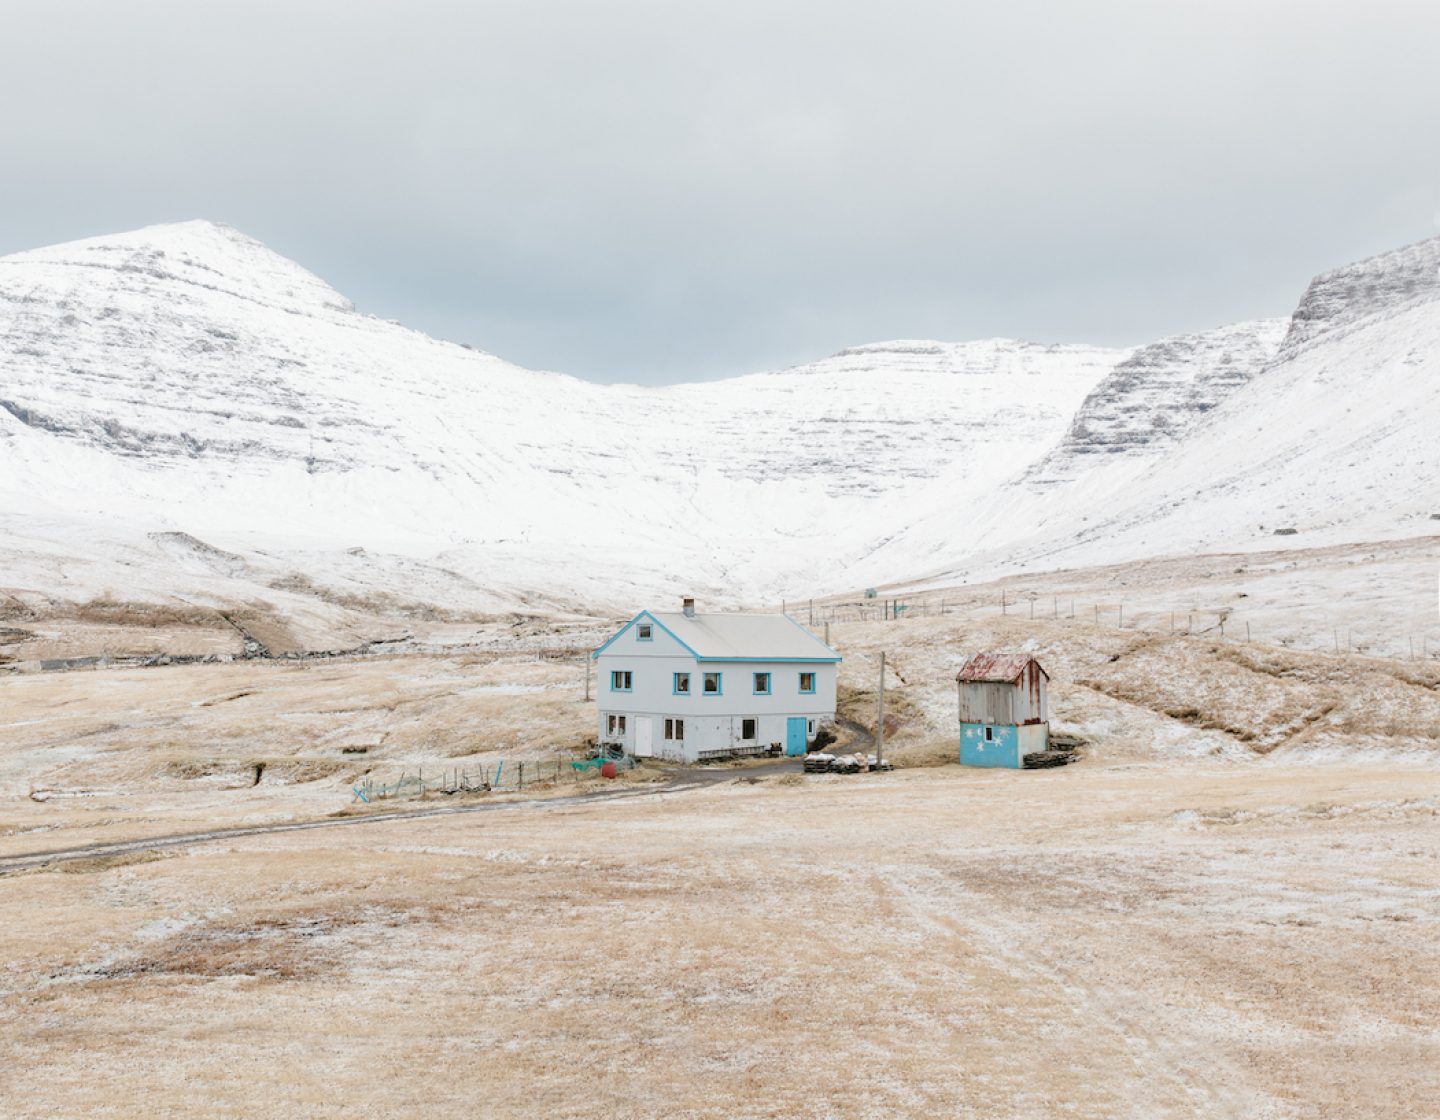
(1002, 667)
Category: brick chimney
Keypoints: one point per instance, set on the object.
(688, 606)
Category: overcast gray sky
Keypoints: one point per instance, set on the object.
(662, 191)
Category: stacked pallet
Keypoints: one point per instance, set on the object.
(822, 763)
(1042, 760)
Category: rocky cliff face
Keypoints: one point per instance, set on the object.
(1387, 283)
(1157, 396)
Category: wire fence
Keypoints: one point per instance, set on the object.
(1271, 626)
(504, 776)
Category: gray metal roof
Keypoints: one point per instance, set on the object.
(744, 637)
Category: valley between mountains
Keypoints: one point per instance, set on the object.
(202, 435)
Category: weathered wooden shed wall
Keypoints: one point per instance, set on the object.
(1024, 701)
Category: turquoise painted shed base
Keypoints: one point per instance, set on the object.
(1006, 746)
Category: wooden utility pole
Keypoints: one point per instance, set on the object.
(827, 632)
(587, 678)
(880, 716)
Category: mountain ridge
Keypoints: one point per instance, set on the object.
(186, 379)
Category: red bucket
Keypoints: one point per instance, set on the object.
(609, 770)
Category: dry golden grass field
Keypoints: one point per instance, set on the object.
(1229, 907)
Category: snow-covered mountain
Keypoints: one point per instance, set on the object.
(1328, 441)
(186, 380)
(184, 413)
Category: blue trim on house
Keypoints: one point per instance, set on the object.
(719, 685)
(755, 684)
(615, 637)
(776, 660)
(617, 688)
(654, 621)
(800, 685)
(675, 684)
(738, 660)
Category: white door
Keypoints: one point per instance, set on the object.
(643, 731)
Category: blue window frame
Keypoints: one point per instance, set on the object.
(680, 686)
(807, 683)
(762, 684)
(644, 632)
(621, 680)
(712, 684)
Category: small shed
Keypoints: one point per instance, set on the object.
(1003, 709)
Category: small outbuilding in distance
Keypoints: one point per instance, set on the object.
(1003, 709)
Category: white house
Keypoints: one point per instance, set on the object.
(689, 686)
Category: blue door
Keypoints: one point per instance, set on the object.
(795, 737)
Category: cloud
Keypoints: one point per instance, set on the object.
(661, 191)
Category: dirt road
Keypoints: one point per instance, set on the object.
(688, 778)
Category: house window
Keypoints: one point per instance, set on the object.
(747, 729)
(675, 730)
(615, 725)
(811, 727)
(682, 684)
(989, 734)
(762, 684)
(620, 680)
(711, 684)
(644, 632)
(807, 682)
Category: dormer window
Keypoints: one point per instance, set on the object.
(644, 632)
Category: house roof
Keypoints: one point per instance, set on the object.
(737, 637)
(1003, 668)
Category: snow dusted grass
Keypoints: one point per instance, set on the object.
(1195, 919)
(143, 751)
(1101, 941)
